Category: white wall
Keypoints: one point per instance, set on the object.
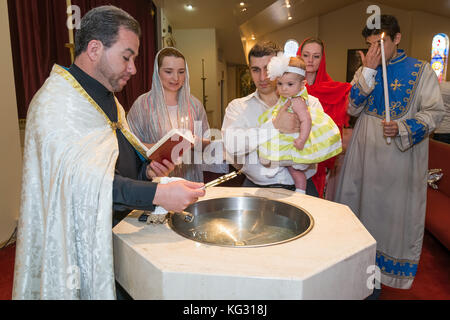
(198, 44)
(11, 159)
(298, 31)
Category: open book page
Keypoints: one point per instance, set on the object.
(171, 146)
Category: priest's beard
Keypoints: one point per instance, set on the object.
(110, 76)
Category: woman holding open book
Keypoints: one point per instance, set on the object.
(169, 105)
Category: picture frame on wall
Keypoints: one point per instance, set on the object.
(353, 62)
(244, 82)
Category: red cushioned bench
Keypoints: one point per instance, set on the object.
(437, 220)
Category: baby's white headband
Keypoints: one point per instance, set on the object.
(296, 70)
(280, 64)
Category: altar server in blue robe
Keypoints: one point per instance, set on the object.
(385, 184)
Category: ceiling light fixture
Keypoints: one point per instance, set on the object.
(189, 7)
(288, 5)
(253, 37)
(289, 18)
(242, 4)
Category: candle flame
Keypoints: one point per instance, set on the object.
(382, 35)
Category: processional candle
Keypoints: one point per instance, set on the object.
(386, 92)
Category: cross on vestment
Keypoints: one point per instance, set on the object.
(396, 85)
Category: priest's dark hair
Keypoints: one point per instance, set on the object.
(388, 24)
(103, 24)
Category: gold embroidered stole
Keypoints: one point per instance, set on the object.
(119, 125)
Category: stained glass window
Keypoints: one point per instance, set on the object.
(439, 55)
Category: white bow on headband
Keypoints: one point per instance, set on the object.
(280, 64)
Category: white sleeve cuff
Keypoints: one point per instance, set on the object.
(369, 76)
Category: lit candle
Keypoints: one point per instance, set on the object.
(386, 92)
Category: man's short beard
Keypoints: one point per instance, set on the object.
(104, 70)
(114, 84)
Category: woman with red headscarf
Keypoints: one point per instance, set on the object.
(333, 96)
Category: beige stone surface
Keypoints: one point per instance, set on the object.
(330, 262)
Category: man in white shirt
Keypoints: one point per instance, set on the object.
(242, 132)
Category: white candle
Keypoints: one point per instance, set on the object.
(386, 92)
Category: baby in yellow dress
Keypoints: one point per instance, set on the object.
(319, 137)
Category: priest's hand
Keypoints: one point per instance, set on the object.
(390, 129)
(156, 169)
(372, 59)
(176, 196)
(285, 121)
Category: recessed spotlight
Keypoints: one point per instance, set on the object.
(189, 7)
(242, 4)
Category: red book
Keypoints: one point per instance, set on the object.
(171, 146)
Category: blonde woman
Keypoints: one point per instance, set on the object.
(169, 105)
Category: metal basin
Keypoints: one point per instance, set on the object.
(242, 222)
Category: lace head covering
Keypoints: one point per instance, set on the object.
(149, 117)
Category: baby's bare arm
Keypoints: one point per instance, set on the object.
(300, 108)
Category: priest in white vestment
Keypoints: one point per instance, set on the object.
(83, 168)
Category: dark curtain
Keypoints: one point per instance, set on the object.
(38, 38)
(144, 12)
